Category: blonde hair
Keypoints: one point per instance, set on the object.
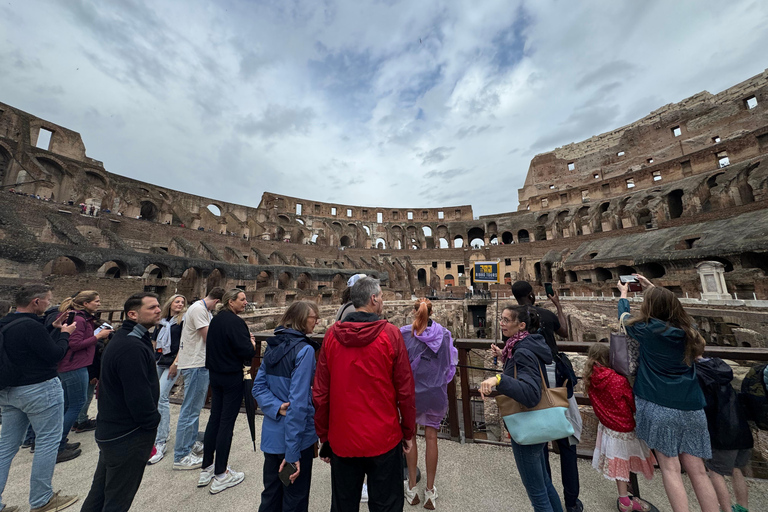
(228, 296)
(166, 312)
(77, 301)
(295, 317)
(661, 304)
(423, 308)
(599, 353)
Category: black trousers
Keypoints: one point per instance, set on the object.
(119, 472)
(278, 498)
(385, 482)
(226, 398)
(569, 471)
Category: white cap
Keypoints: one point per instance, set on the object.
(352, 280)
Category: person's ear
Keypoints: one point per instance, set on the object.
(522, 326)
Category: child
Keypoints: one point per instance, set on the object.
(729, 432)
(617, 451)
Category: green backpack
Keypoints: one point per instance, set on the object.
(754, 395)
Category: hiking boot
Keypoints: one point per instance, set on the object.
(188, 462)
(71, 446)
(206, 475)
(197, 449)
(57, 502)
(159, 454)
(65, 455)
(85, 426)
(430, 496)
(231, 479)
(411, 495)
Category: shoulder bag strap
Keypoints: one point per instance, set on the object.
(622, 325)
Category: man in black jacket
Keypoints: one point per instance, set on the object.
(32, 394)
(127, 420)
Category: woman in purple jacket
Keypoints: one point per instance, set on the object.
(73, 369)
(433, 362)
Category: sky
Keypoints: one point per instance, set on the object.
(380, 103)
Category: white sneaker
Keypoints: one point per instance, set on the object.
(197, 449)
(188, 462)
(411, 495)
(364, 494)
(159, 454)
(429, 498)
(205, 476)
(231, 479)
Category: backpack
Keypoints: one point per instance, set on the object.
(754, 396)
(9, 372)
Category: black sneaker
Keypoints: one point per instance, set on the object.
(32, 448)
(85, 426)
(65, 455)
(578, 507)
(71, 446)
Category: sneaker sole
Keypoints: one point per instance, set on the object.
(213, 490)
(187, 468)
(201, 484)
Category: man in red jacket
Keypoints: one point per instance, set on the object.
(365, 409)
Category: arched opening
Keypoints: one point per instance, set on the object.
(367, 230)
(148, 211)
(727, 263)
(339, 282)
(112, 270)
(215, 279)
(284, 281)
(345, 241)
(507, 238)
(263, 280)
(476, 237)
(652, 270)
(380, 243)
(188, 284)
(541, 233)
(570, 276)
(154, 272)
(283, 219)
(624, 270)
(444, 243)
(523, 236)
(602, 274)
(644, 218)
(426, 230)
(476, 243)
(508, 278)
(421, 275)
(494, 240)
(214, 210)
(62, 266)
(304, 281)
(449, 280)
(458, 241)
(675, 203)
(755, 260)
(537, 271)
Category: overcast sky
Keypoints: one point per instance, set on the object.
(386, 103)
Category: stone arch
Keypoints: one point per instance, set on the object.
(494, 240)
(63, 266)
(491, 228)
(189, 284)
(215, 209)
(264, 279)
(443, 243)
(345, 241)
(508, 278)
(523, 236)
(540, 233)
(304, 281)
(675, 203)
(426, 230)
(726, 262)
(285, 281)
(755, 260)
(381, 243)
(283, 219)
(458, 241)
(602, 274)
(113, 269)
(570, 276)
(421, 276)
(339, 282)
(507, 238)
(624, 270)
(476, 237)
(215, 278)
(149, 211)
(449, 280)
(652, 270)
(155, 271)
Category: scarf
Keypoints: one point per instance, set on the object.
(164, 336)
(507, 352)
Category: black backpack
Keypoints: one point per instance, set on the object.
(754, 396)
(9, 372)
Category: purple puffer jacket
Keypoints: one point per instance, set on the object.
(82, 344)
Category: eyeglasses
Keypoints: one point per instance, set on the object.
(506, 320)
(312, 317)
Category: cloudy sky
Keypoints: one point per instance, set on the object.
(383, 103)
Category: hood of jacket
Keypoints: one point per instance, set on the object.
(432, 336)
(358, 329)
(536, 344)
(600, 374)
(715, 370)
(283, 342)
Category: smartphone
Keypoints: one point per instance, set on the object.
(70, 317)
(634, 284)
(286, 473)
(548, 289)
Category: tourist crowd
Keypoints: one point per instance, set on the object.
(355, 400)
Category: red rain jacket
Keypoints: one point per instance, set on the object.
(612, 399)
(364, 392)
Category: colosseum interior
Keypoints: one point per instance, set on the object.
(679, 195)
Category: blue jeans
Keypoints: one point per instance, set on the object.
(163, 407)
(75, 386)
(83, 416)
(532, 466)
(195, 390)
(43, 405)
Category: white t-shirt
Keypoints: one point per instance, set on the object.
(192, 346)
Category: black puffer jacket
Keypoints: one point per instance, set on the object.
(529, 355)
(726, 418)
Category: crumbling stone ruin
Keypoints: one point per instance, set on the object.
(679, 195)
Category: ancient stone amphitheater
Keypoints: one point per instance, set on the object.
(680, 195)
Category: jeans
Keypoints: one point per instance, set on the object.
(43, 405)
(75, 386)
(385, 482)
(119, 472)
(569, 471)
(226, 398)
(83, 416)
(195, 390)
(532, 466)
(163, 407)
(278, 498)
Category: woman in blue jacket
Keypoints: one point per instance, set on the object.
(283, 389)
(670, 404)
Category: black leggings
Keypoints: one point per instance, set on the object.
(226, 398)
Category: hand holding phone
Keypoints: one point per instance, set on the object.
(287, 471)
(548, 289)
(70, 317)
(632, 283)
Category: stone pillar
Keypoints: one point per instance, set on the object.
(712, 275)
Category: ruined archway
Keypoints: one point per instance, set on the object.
(304, 281)
(113, 270)
(507, 238)
(264, 279)
(63, 266)
(215, 278)
(675, 204)
(284, 281)
(149, 211)
(523, 236)
(421, 275)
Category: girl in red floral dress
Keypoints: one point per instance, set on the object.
(617, 451)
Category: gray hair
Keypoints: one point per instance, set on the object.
(29, 292)
(362, 291)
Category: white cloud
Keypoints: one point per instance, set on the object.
(393, 103)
